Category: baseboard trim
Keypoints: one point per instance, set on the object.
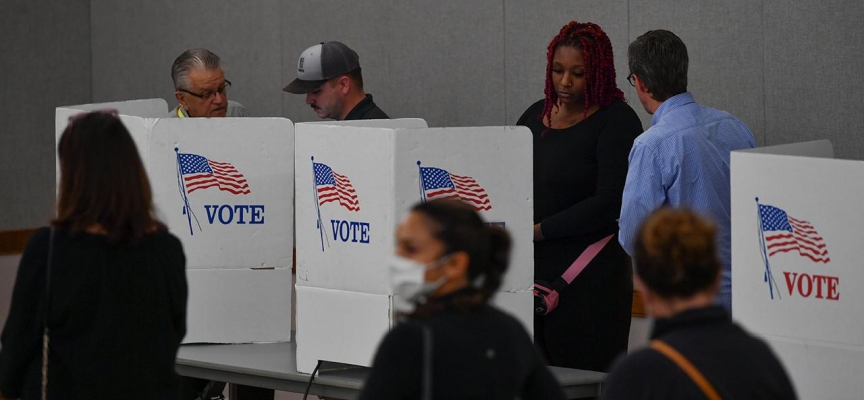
(14, 242)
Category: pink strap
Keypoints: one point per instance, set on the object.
(584, 258)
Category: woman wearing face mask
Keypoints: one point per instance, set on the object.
(452, 344)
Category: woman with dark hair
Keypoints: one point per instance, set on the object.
(102, 291)
(583, 131)
(696, 349)
(452, 344)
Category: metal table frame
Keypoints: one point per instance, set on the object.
(274, 366)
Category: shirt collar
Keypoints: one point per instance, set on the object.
(670, 104)
(361, 108)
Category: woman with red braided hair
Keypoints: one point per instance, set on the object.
(583, 131)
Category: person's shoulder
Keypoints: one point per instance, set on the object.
(703, 114)
(639, 366)
(42, 233)
(532, 112)
(402, 337)
(162, 237)
(39, 238)
(754, 344)
(535, 107)
(638, 361)
(235, 109)
(653, 137)
(623, 116)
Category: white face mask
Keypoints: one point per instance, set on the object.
(407, 280)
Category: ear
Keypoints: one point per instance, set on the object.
(457, 265)
(180, 99)
(640, 87)
(344, 83)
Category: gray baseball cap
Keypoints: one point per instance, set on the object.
(320, 63)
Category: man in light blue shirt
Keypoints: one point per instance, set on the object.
(683, 159)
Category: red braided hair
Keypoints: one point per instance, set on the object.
(600, 87)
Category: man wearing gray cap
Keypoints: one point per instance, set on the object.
(329, 75)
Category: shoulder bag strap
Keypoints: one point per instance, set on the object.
(45, 322)
(582, 261)
(426, 384)
(687, 367)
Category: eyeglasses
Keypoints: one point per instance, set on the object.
(207, 96)
(631, 80)
(78, 117)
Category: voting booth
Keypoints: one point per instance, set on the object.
(355, 181)
(224, 187)
(796, 262)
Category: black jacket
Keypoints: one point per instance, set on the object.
(117, 315)
(738, 365)
(476, 354)
(366, 109)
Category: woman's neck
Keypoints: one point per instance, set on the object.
(96, 229)
(665, 308)
(452, 286)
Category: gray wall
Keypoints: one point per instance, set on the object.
(44, 63)
(789, 69)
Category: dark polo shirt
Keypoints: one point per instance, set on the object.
(366, 109)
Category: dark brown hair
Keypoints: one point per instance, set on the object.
(102, 180)
(676, 253)
(460, 228)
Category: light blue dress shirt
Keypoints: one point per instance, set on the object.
(683, 161)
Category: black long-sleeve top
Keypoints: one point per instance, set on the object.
(476, 354)
(116, 317)
(579, 175)
(737, 365)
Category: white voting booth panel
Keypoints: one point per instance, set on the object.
(796, 262)
(353, 185)
(224, 187)
(377, 123)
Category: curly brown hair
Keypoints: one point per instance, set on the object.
(676, 253)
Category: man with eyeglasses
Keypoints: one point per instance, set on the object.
(202, 91)
(329, 75)
(201, 87)
(682, 160)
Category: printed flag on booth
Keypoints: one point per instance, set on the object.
(201, 173)
(440, 184)
(332, 186)
(783, 233)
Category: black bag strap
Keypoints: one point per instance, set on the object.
(426, 383)
(45, 321)
(48, 275)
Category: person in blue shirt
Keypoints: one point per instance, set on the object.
(682, 160)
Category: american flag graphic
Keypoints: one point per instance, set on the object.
(784, 233)
(200, 173)
(440, 184)
(332, 186)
